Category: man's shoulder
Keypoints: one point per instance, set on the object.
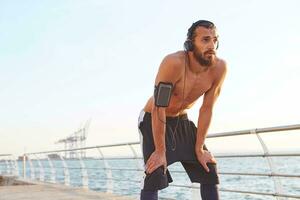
(220, 70)
(221, 66)
(171, 68)
(175, 60)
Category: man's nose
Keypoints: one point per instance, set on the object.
(212, 45)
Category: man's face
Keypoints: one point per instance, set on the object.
(205, 44)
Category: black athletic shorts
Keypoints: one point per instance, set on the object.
(180, 146)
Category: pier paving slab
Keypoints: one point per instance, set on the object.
(48, 191)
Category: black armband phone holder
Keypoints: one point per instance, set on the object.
(162, 94)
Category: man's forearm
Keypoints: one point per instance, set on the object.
(158, 128)
(204, 120)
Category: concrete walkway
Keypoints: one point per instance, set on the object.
(48, 191)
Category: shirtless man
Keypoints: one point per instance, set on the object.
(167, 135)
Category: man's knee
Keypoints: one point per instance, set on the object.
(157, 180)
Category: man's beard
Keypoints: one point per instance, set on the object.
(200, 58)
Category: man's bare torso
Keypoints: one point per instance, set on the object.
(194, 84)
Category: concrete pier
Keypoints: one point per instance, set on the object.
(23, 190)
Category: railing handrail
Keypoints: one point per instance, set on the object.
(213, 135)
(85, 148)
(5, 155)
(255, 130)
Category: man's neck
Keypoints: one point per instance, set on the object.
(194, 65)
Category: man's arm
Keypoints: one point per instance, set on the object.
(205, 115)
(169, 71)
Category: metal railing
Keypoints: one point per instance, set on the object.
(52, 168)
(8, 165)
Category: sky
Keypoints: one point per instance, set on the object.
(65, 62)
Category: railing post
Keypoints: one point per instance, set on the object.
(41, 169)
(32, 170)
(11, 166)
(16, 167)
(84, 174)
(109, 182)
(6, 166)
(52, 170)
(277, 183)
(24, 166)
(66, 171)
(2, 166)
(135, 155)
(139, 162)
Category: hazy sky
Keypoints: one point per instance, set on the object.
(64, 62)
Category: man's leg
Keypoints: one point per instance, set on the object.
(157, 180)
(209, 181)
(149, 195)
(209, 192)
(145, 194)
(195, 171)
(153, 182)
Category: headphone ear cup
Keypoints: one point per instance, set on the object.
(188, 45)
(217, 45)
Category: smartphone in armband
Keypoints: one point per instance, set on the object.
(162, 94)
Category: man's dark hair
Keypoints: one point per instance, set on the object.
(203, 23)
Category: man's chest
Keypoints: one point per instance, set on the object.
(193, 86)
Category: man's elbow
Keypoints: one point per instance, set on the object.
(206, 109)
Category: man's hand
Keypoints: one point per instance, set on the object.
(205, 157)
(157, 159)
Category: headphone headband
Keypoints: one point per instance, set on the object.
(204, 23)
